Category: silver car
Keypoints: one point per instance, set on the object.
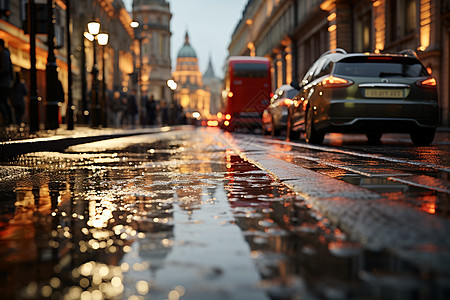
(274, 117)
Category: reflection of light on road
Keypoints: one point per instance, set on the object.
(100, 280)
(100, 211)
(429, 204)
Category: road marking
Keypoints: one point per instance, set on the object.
(256, 143)
(353, 153)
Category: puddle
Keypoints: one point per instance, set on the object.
(164, 220)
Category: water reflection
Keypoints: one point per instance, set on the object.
(182, 218)
(300, 254)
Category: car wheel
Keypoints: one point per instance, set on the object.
(264, 129)
(423, 137)
(312, 136)
(374, 138)
(293, 135)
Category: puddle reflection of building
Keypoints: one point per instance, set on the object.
(25, 239)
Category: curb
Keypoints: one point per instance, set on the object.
(60, 143)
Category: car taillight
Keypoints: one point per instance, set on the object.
(230, 94)
(427, 83)
(333, 82)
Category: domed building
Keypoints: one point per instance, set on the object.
(191, 93)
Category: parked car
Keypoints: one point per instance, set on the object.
(366, 93)
(274, 117)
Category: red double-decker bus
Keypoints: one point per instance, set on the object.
(247, 91)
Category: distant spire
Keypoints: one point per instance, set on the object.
(186, 38)
(209, 73)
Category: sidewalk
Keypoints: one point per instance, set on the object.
(18, 140)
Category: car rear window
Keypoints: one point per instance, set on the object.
(291, 94)
(380, 66)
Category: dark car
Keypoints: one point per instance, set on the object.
(366, 93)
(274, 117)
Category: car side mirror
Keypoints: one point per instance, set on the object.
(295, 84)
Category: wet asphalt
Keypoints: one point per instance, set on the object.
(199, 214)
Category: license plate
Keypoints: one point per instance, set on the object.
(384, 93)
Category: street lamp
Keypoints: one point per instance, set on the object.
(102, 39)
(174, 107)
(93, 31)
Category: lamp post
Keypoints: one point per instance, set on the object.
(93, 31)
(137, 32)
(51, 75)
(174, 109)
(102, 39)
(34, 99)
(70, 106)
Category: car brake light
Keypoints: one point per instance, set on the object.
(430, 82)
(332, 81)
(227, 117)
(379, 58)
(230, 94)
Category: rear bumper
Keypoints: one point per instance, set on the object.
(379, 116)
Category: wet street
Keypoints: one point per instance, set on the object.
(203, 214)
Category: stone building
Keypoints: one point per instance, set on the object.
(114, 19)
(153, 37)
(191, 93)
(214, 85)
(294, 33)
(13, 30)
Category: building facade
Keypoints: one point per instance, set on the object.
(153, 47)
(214, 85)
(116, 55)
(13, 30)
(294, 33)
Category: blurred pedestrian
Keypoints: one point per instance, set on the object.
(164, 113)
(6, 74)
(132, 108)
(124, 109)
(115, 106)
(150, 107)
(19, 91)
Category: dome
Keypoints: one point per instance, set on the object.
(187, 50)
